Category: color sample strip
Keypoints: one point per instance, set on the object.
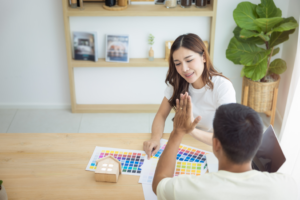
(131, 160)
(181, 168)
(185, 153)
(188, 168)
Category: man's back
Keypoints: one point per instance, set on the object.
(226, 185)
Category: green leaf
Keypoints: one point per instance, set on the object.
(254, 58)
(279, 37)
(244, 16)
(242, 72)
(253, 40)
(266, 24)
(1, 182)
(279, 13)
(236, 49)
(275, 51)
(256, 72)
(248, 34)
(267, 9)
(284, 27)
(278, 66)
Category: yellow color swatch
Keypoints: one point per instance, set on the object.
(189, 149)
(193, 171)
(125, 153)
(107, 151)
(194, 164)
(189, 164)
(116, 152)
(129, 153)
(184, 163)
(184, 147)
(183, 170)
(180, 146)
(103, 151)
(178, 163)
(193, 150)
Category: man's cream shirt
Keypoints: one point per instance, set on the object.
(225, 185)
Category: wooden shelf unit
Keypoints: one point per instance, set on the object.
(94, 9)
(133, 62)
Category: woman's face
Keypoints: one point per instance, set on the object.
(189, 64)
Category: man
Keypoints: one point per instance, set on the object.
(237, 135)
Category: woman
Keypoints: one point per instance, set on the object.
(191, 70)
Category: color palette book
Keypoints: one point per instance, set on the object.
(185, 153)
(131, 160)
(181, 168)
(189, 161)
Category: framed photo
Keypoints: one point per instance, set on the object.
(117, 48)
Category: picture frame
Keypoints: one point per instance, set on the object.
(117, 48)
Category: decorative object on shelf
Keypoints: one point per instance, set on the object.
(3, 194)
(108, 169)
(185, 3)
(84, 46)
(73, 3)
(110, 3)
(171, 3)
(80, 4)
(117, 48)
(142, 2)
(151, 52)
(257, 25)
(168, 49)
(201, 3)
(122, 3)
(114, 8)
(159, 2)
(208, 1)
(206, 44)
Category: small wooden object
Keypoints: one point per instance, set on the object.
(114, 8)
(108, 169)
(168, 49)
(122, 3)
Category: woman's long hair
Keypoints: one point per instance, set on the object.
(194, 43)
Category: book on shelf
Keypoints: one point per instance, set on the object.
(117, 48)
(85, 46)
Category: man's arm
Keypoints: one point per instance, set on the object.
(166, 164)
(182, 125)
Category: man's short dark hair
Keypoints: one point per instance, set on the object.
(239, 130)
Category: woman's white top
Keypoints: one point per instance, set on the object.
(205, 101)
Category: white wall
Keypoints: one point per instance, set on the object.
(288, 54)
(33, 68)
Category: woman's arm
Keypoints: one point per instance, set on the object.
(152, 146)
(202, 136)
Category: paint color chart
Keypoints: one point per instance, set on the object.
(185, 153)
(131, 160)
(181, 168)
(189, 161)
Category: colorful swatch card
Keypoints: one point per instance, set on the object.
(185, 153)
(189, 161)
(131, 160)
(181, 168)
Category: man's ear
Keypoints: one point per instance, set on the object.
(216, 145)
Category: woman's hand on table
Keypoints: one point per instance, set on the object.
(151, 147)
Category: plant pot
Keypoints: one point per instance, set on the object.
(151, 54)
(261, 96)
(3, 195)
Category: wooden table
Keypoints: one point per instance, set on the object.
(52, 166)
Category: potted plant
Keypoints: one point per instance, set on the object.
(260, 28)
(151, 42)
(3, 195)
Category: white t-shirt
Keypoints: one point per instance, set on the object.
(252, 185)
(205, 101)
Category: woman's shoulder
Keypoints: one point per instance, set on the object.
(220, 80)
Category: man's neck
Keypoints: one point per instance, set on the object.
(235, 168)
